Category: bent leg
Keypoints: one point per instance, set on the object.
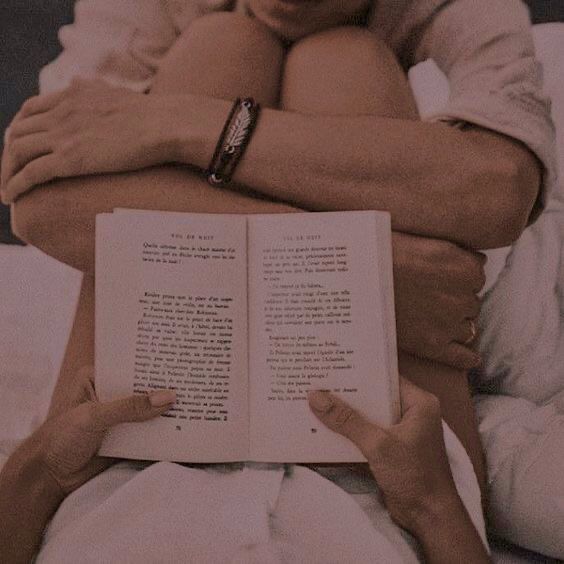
(348, 71)
(246, 61)
(223, 55)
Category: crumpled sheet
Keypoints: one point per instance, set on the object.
(521, 407)
(521, 412)
(253, 513)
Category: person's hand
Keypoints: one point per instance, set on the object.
(88, 128)
(69, 439)
(435, 287)
(408, 460)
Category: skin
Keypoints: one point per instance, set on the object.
(60, 220)
(410, 465)
(472, 162)
(61, 456)
(328, 165)
(295, 20)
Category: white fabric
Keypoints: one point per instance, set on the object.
(522, 324)
(38, 297)
(524, 443)
(43, 314)
(255, 514)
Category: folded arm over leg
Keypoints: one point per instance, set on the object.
(59, 218)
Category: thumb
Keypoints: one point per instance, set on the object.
(136, 408)
(343, 419)
(416, 402)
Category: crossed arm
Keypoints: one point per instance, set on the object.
(475, 188)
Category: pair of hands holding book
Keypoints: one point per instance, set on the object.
(408, 460)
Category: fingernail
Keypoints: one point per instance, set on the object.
(162, 398)
(320, 401)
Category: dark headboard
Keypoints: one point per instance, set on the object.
(545, 11)
(28, 41)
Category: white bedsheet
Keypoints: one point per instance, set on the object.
(38, 297)
(522, 326)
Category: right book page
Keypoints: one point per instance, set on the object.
(321, 316)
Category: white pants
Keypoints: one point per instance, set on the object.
(254, 514)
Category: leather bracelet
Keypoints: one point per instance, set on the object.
(233, 141)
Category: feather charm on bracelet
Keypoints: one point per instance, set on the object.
(238, 131)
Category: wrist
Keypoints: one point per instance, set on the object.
(447, 534)
(434, 512)
(29, 497)
(196, 123)
(27, 466)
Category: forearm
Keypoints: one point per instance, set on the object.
(452, 389)
(473, 187)
(28, 500)
(59, 218)
(446, 534)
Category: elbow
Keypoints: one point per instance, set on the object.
(44, 219)
(510, 188)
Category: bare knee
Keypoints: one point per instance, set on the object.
(346, 70)
(224, 55)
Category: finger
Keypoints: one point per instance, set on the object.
(467, 333)
(473, 267)
(482, 257)
(86, 375)
(28, 125)
(40, 104)
(460, 357)
(416, 401)
(4, 167)
(34, 173)
(340, 417)
(98, 465)
(452, 354)
(23, 150)
(471, 306)
(133, 409)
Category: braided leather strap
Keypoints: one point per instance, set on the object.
(233, 141)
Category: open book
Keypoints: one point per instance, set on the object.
(242, 315)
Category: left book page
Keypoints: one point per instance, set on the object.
(171, 312)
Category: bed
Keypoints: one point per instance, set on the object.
(38, 295)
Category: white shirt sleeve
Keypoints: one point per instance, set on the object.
(119, 41)
(485, 48)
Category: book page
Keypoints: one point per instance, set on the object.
(171, 308)
(321, 317)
